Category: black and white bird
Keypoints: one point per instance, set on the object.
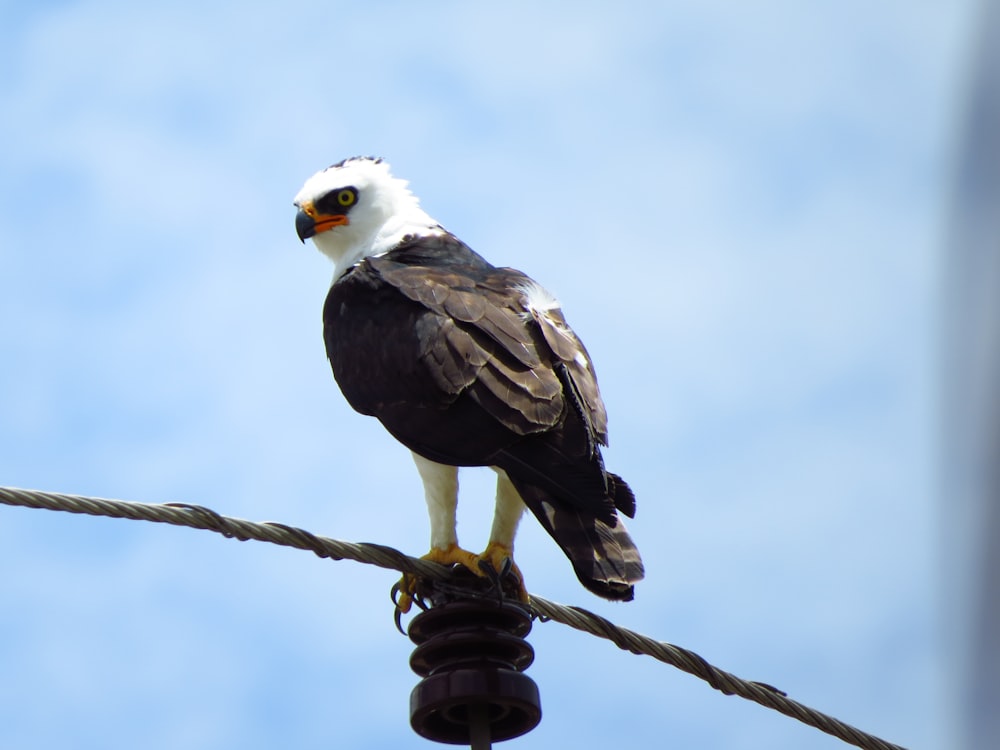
(467, 364)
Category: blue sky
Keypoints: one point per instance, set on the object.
(740, 206)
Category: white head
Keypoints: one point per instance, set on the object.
(356, 209)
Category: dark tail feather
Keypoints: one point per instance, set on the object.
(603, 555)
(622, 494)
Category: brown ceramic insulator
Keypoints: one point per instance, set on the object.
(471, 654)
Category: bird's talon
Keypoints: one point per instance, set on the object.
(497, 561)
(496, 564)
(488, 571)
(397, 617)
(404, 593)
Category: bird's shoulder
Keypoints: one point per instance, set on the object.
(443, 275)
(447, 264)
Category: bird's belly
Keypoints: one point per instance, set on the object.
(460, 434)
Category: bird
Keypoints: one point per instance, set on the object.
(467, 364)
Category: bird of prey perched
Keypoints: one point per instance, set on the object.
(467, 364)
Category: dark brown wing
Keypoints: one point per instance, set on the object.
(462, 364)
(579, 369)
(477, 341)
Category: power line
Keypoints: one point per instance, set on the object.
(198, 517)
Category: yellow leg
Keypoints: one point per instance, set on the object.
(450, 555)
(455, 555)
(497, 556)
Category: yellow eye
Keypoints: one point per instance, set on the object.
(346, 197)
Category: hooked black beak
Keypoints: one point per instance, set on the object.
(305, 225)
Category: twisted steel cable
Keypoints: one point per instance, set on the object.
(199, 517)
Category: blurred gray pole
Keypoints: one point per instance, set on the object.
(971, 500)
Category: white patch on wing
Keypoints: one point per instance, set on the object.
(538, 303)
(537, 298)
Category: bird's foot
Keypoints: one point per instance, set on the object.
(404, 592)
(454, 555)
(497, 563)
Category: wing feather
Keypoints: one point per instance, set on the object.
(568, 348)
(465, 305)
(476, 339)
(451, 356)
(524, 398)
